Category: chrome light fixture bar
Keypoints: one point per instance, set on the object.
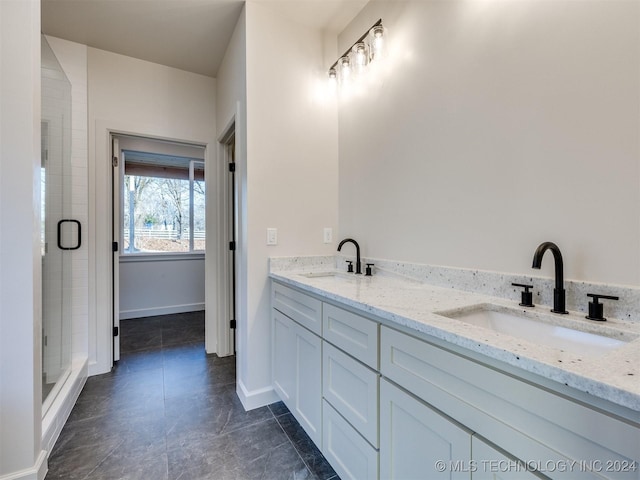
(367, 48)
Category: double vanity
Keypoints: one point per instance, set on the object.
(398, 377)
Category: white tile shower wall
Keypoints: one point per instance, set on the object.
(73, 58)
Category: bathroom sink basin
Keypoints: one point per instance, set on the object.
(536, 328)
(322, 274)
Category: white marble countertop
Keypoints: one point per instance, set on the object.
(613, 376)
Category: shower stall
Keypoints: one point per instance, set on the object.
(60, 234)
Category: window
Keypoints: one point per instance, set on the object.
(163, 204)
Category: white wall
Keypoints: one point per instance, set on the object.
(493, 127)
(127, 95)
(20, 275)
(160, 286)
(231, 115)
(291, 173)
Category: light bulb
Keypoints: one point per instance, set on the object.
(359, 50)
(377, 48)
(333, 78)
(345, 68)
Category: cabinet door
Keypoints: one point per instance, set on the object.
(283, 357)
(307, 365)
(491, 464)
(417, 442)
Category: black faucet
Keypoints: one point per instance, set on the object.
(358, 264)
(558, 292)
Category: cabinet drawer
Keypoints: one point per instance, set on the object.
(305, 310)
(352, 389)
(352, 333)
(348, 453)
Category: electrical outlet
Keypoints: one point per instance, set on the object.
(328, 235)
(272, 236)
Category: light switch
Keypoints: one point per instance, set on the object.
(272, 236)
(328, 235)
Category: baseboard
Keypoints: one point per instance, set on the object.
(59, 412)
(256, 398)
(95, 368)
(168, 310)
(37, 472)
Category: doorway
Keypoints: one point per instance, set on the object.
(228, 213)
(159, 229)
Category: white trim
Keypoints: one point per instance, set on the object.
(257, 398)
(223, 332)
(36, 472)
(152, 312)
(60, 409)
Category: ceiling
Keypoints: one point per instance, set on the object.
(191, 35)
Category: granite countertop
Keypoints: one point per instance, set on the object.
(613, 376)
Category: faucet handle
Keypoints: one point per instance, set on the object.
(527, 296)
(368, 271)
(350, 266)
(596, 310)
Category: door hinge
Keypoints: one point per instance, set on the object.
(114, 161)
(232, 167)
(114, 246)
(232, 324)
(116, 331)
(232, 246)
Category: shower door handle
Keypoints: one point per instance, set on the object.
(79, 241)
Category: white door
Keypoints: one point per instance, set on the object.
(118, 172)
(417, 442)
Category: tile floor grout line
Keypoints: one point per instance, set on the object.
(103, 460)
(294, 446)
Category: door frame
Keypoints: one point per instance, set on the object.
(228, 230)
(100, 237)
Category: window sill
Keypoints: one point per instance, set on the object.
(160, 257)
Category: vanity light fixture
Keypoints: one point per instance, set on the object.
(367, 48)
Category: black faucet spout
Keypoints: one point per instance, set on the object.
(358, 263)
(559, 297)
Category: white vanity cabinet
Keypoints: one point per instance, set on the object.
(385, 404)
(562, 437)
(297, 356)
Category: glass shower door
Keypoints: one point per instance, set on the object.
(58, 233)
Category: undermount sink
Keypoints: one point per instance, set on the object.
(535, 328)
(322, 274)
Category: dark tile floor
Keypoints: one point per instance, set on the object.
(169, 411)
